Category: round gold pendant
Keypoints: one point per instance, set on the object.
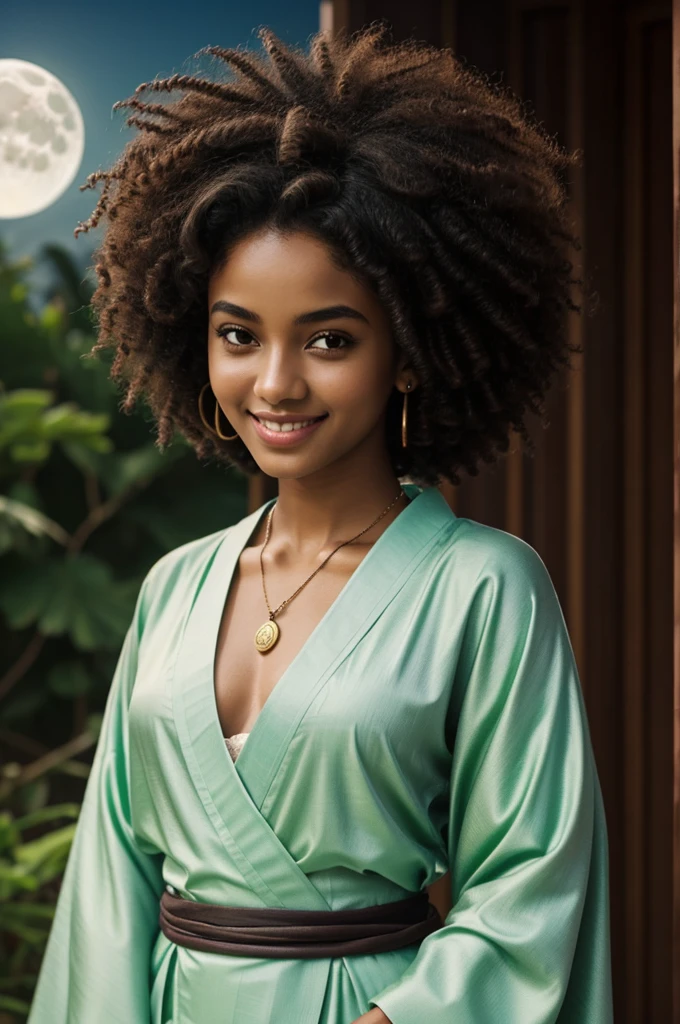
(266, 636)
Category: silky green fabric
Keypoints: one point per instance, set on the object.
(434, 719)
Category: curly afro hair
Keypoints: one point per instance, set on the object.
(425, 180)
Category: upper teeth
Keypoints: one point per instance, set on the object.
(272, 425)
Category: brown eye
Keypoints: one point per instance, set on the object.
(334, 338)
(226, 330)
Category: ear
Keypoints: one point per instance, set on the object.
(405, 376)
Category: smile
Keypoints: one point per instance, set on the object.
(284, 434)
(273, 425)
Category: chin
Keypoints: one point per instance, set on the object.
(293, 466)
(283, 469)
(307, 460)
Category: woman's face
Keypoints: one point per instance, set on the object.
(291, 334)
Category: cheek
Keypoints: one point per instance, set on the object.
(215, 360)
(367, 391)
(227, 376)
(352, 395)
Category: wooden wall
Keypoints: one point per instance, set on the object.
(676, 509)
(597, 500)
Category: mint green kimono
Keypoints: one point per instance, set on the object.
(433, 720)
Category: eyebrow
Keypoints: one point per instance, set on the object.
(315, 316)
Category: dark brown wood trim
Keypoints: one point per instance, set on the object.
(633, 513)
(676, 524)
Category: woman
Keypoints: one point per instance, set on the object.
(346, 270)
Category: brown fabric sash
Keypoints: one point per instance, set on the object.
(305, 934)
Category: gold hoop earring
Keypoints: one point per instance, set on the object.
(216, 429)
(404, 416)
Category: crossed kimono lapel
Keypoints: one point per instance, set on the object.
(234, 793)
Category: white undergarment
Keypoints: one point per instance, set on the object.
(235, 743)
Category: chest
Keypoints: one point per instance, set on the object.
(244, 678)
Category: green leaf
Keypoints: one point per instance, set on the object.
(15, 878)
(32, 521)
(10, 834)
(69, 679)
(86, 457)
(7, 537)
(97, 443)
(26, 912)
(23, 704)
(47, 814)
(73, 290)
(75, 595)
(14, 1005)
(38, 451)
(26, 493)
(30, 921)
(138, 467)
(185, 505)
(33, 855)
(26, 593)
(17, 981)
(24, 403)
(67, 420)
(51, 317)
(35, 794)
(94, 723)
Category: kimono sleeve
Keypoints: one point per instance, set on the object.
(96, 965)
(527, 938)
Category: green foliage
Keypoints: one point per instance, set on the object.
(87, 505)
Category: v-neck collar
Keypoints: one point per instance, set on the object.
(378, 577)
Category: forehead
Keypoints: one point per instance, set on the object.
(269, 262)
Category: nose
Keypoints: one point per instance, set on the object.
(278, 378)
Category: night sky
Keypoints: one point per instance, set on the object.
(102, 52)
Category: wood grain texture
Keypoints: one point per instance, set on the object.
(676, 513)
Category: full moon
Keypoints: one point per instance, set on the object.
(42, 138)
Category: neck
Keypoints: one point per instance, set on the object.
(314, 516)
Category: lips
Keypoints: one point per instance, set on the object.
(285, 438)
(288, 419)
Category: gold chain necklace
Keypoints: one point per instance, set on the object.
(269, 632)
